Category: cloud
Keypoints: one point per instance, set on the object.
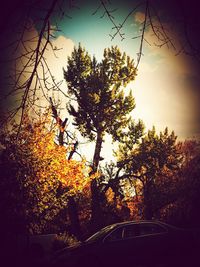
(58, 60)
(166, 87)
(166, 95)
(50, 69)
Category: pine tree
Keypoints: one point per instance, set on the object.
(102, 105)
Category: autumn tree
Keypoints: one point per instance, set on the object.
(63, 138)
(38, 174)
(153, 156)
(101, 103)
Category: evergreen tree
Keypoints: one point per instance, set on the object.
(102, 105)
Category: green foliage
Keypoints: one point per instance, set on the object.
(98, 88)
(147, 159)
(129, 138)
(153, 155)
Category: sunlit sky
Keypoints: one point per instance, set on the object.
(166, 89)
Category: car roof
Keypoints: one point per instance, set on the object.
(138, 222)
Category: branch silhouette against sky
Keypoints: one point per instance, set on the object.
(163, 38)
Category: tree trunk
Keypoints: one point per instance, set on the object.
(96, 210)
(148, 212)
(97, 151)
(73, 217)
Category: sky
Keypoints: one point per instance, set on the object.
(166, 88)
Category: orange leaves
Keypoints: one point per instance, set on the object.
(135, 205)
(43, 171)
(74, 175)
(110, 195)
(51, 160)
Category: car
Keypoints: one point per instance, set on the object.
(134, 243)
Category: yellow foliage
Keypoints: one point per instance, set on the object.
(110, 195)
(46, 174)
(51, 161)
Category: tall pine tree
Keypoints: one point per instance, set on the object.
(102, 105)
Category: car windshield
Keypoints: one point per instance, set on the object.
(100, 233)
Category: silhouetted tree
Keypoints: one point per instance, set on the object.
(183, 209)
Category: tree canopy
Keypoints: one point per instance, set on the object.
(101, 104)
(39, 168)
(154, 156)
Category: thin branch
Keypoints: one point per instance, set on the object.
(142, 35)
